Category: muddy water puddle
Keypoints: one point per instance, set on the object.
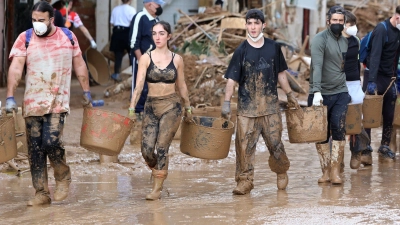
(200, 191)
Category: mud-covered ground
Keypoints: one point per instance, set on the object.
(200, 191)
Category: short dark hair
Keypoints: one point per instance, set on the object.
(350, 17)
(43, 6)
(398, 9)
(336, 9)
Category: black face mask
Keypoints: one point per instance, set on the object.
(159, 11)
(337, 28)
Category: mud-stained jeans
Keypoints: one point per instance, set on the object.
(247, 134)
(161, 119)
(44, 136)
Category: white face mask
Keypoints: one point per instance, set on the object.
(39, 27)
(257, 38)
(397, 25)
(352, 30)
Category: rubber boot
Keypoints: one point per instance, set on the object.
(282, 181)
(40, 199)
(325, 161)
(355, 160)
(244, 186)
(159, 177)
(62, 190)
(336, 160)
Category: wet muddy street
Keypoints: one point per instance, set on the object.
(200, 191)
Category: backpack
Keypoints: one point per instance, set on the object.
(364, 45)
(67, 32)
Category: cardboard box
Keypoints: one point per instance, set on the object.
(206, 3)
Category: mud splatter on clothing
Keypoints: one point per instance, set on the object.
(256, 70)
(161, 119)
(44, 136)
(48, 75)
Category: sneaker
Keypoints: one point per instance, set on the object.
(366, 158)
(385, 152)
(116, 77)
(39, 199)
(355, 160)
(243, 187)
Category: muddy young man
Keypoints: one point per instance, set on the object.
(381, 69)
(328, 85)
(257, 66)
(49, 57)
(163, 71)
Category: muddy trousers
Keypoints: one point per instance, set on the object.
(161, 120)
(389, 100)
(44, 136)
(247, 134)
(337, 105)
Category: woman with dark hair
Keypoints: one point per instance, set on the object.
(163, 71)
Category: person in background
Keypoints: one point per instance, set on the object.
(328, 85)
(72, 20)
(141, 41)
(381, 67)
(49, 56)
(163, 71)
(258, 66)
(121, 17)
(352, 65)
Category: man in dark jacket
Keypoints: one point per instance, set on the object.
(381, 69)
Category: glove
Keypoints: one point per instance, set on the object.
(11, 105)
(292, 101)
(93, 44)
(317, 99)
(226, 110)
(87, 99)
(371, 88)
(188, 114)
(132, 114)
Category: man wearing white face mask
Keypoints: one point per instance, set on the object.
(258, 66)
(328, 85)
(49, 54)
(381, 69)
(359, 142)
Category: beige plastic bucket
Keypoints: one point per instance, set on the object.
(353, 119)
(104, 132)
(98, 66)
(372, 111)
(8, 141)
(206, 137)
(308, 124)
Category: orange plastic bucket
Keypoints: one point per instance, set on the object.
(104, 132)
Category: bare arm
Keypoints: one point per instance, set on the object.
(140, 79)
(229, 89)
(81, 72)
(180, 82)
(138, 54)
(15, 74)
(86, 32)
(282, 79)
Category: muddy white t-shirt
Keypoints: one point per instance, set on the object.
(48, 75)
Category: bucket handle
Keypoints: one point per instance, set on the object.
(387, 89)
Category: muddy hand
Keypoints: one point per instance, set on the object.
(131, 114)
(226, 110)
(87, 99)
(188, 114)
(292, 101)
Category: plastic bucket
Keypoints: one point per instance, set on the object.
(308, 124)
(372, 111)
(353, 119)
(206, 137)
(104, 132)
(98, 66)
(8, 140)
